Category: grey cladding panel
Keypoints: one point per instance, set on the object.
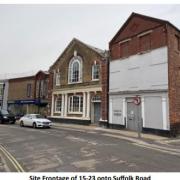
(117, 109)
(153, 112)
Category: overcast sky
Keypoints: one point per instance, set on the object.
(33, 36)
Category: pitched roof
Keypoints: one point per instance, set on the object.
(100, 52)
(9, 76)
(142, 16)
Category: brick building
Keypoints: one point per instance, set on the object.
(145, 70)
(77, 80)
(29, 94)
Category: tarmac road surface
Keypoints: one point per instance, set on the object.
(70, 150)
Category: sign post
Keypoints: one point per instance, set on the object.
(137, 102)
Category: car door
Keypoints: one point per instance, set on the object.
(24, 119)
(29, 120)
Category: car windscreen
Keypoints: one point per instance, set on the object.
(4, 112)
(38, 116)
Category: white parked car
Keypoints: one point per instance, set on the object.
(35, 120)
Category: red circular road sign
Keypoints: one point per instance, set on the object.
(137, 100)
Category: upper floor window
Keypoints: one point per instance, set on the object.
(95, 72)
(57, 80)
(124, 49)
(75, 70)
(28, 92)
(145, 42)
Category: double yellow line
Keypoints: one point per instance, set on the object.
(12, 160)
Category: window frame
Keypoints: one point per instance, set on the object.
(58, 98)
(71, 104)
(57, 79)
(93, 71)
(124, 49)
(74, 60)
(143, 35)
(29, 90)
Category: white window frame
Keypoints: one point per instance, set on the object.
(55, 104)
(71, 104)
(78, 60)
(57, 80)
(93, 67)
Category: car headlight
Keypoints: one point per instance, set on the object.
(5, 117)
(39, 122)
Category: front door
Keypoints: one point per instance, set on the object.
(97, 112)
(133, 116)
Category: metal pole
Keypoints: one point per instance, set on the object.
(139, 121)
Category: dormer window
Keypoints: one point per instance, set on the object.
(75, 70)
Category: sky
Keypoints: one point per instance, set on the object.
(33, 36)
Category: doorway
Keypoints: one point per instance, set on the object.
(96, 109)
(133, 115)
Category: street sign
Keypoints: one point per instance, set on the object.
(137, 100)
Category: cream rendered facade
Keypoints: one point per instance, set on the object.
(87, 101)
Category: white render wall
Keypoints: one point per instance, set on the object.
(148, 71)
(154, 110)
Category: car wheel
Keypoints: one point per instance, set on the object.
(34, 125)
(21, 124)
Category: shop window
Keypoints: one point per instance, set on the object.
(76, 104)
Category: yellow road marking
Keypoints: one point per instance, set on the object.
(12, 159)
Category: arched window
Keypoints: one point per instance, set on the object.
(75, 70)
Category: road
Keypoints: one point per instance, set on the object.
(64, 150)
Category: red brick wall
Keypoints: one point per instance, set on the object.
(157, 36)
(105, 88)
(173, 78)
